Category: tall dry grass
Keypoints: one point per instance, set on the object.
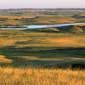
(41, 76)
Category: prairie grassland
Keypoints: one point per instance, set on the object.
(40, 48)
(25, 57)
(41, 39)
(54, 19)
(37, 76)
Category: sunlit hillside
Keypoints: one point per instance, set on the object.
(51, 56)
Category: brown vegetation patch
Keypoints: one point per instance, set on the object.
(4, 42)
(3, 59)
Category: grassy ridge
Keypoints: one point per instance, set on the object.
(27, 48)
(32, 58)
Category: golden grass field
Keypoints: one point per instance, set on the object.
(15, 63)
(37, 76)
(9, 38)
(32, 57)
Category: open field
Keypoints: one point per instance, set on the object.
(52, 56)
(36, 49)
(35, 58)
(36, 76)
(41, 16)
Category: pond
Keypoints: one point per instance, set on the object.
(25, 27)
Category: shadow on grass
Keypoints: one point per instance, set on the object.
(51, 58)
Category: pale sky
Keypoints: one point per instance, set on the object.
(42, 4)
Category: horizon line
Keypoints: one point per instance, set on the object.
(41, 8)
